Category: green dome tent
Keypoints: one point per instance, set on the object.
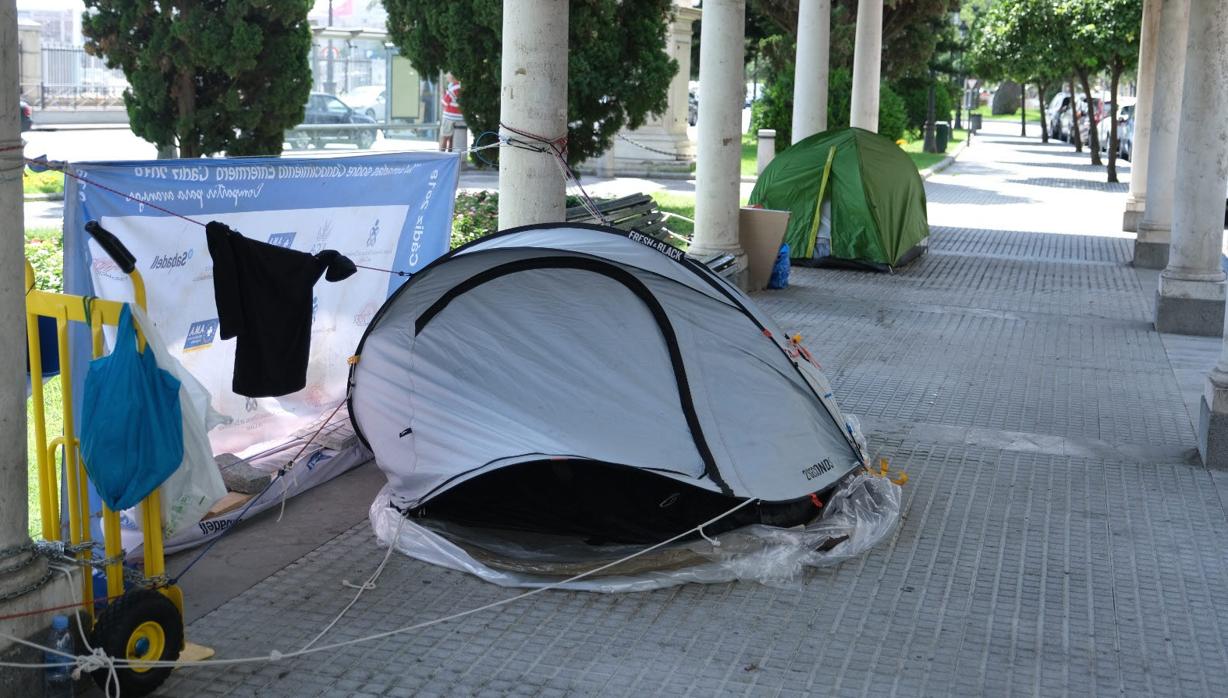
(854, 195)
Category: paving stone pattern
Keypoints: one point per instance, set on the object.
(1014, 572)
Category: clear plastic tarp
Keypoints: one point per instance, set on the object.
(860, 513)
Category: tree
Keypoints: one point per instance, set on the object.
(617, 70)
(1017, 40)
(1106, 33)
(908, 41)
(207, 75)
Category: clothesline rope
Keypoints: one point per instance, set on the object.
(66, 169)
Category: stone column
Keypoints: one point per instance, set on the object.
(662, 146)
(1208, 67)
(810, 80)
(1155, 227)
(721, 96)
(1190, 299)
(1136, 201)
(533, 99)
(25, 576)
(867, 60)
(14, 514)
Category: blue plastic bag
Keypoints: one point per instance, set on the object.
(131, 422)
(780, 270)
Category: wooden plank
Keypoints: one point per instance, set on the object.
(232, 501)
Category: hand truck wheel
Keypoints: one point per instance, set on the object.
(140, 625)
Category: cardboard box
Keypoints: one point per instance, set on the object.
(761, 231)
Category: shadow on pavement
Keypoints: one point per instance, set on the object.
(1064, 183)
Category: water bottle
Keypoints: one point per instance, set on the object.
(57, 680)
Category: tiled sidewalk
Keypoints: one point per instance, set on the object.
(1059, 536)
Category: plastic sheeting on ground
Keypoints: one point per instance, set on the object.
(334, 452)
(862, 512)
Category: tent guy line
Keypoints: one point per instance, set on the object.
(97, 660)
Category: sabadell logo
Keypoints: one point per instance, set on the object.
(171, 261)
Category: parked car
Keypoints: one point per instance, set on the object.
(1062, 127)
(1053, 114)
(1101, 108)
(1125, 123)
(1127, 136)
(27, 115)
(324, 108)
(368, 100)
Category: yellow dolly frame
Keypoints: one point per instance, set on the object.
(145, 623)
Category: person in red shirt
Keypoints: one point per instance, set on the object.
(451, 114)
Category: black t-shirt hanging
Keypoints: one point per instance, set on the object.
(263, 295)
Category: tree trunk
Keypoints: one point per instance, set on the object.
(1023, 109)
(1093, 136)
(1075, 137)
(185, 98)
(1044, 120)
(1113, 80)
(930, 145)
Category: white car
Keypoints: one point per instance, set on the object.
(368, 100)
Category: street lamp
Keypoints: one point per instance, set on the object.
(959, 66)
(330, 86)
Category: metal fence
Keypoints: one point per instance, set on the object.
(73, 79)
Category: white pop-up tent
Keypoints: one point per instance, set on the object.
(584, 381)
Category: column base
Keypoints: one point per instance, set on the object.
(1133, 214)
(1213, 431)
(1150, 255)
(1201, 317)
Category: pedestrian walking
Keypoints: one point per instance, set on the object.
(451, 114)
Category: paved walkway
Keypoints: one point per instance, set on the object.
(1059, 536)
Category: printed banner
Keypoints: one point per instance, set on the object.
(390, 211)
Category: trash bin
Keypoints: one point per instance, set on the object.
(974, 122)
(760, 232)
(942, 135)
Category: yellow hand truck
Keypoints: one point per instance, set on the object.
(141, 620)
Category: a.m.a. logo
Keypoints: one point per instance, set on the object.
(817, 469)
(281, 239)
(200, 335)
(171, 261)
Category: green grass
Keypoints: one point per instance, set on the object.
(913, 148)
(680, 203)
(986, 114)
(55, 427)
(49, 182)
(923, 160)
(750, 150)
(44, 248)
